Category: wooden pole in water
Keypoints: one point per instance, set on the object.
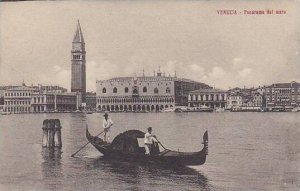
(48, 134)
(51, 132)
(57, 136)
(45, 133)
(55, 102)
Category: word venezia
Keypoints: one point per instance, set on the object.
(251, 12)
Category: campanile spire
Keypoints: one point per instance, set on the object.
(78, 37)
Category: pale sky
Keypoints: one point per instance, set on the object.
(124, 37)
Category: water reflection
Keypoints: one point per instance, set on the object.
(147, 177)
(52, 168)
(244, 152)
(75, 136)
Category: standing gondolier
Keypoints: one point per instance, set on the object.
(149, 140)
(107, 123)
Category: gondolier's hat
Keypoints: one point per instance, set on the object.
(106, 114)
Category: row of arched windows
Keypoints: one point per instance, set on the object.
(208, 97)
(17, 109)
(18, 94)
(115, 90)
(76, 56)
(285, 91)
(135, 100)
(17, 102)
(133, 107)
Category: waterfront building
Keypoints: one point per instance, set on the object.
(25, 99)
(54, 102)
(2, 91)
(213, 98)
(144, 93)
(261, 90)
(78, 60)
(234, 101)
(253, 99)
(91, 103)
(2, 100)
(245, 92)
(283, 96)
(253, 102)
(18, 99)
(50, 89)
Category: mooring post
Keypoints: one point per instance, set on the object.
(45, 133)
(51, 132)
(57, 136)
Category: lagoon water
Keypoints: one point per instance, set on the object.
(247, 151)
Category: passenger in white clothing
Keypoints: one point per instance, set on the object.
(148, 141)
(107, 123)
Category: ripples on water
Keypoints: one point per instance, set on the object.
(247, 151)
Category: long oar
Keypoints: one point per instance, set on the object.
(160, 144)
(84, 145)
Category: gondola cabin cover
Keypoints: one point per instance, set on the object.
(128, 142)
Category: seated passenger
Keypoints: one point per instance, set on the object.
(149, 140)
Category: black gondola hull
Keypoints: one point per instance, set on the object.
(172, 158)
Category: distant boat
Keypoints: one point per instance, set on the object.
(168, 110)
(219, 109)
(201, 108)
(178, 110)
(280, 110)
(5, 113)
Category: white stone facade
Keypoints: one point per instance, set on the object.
(213, 98)
(18, 99)
(283, 96)
(234, 102)
(147, 93)
(54, 102)
(24, 99)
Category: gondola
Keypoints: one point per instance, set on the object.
(125, 147)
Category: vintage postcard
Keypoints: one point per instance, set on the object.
(150, 95)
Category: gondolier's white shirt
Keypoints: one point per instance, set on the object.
(107, 123)
(148, 138)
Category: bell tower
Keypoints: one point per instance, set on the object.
(78, 74)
